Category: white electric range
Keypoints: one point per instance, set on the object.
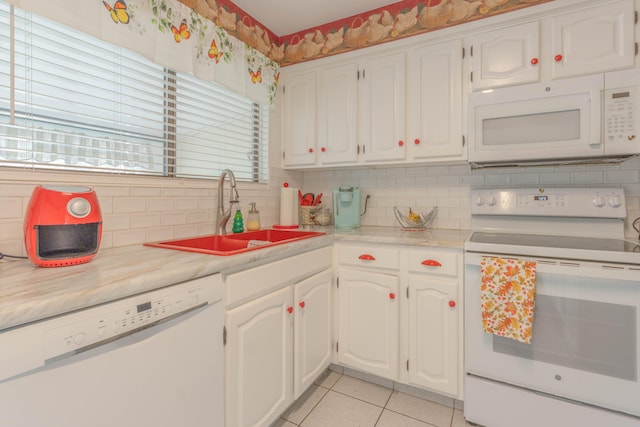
(583, 364)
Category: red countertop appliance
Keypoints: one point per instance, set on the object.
(62, 226)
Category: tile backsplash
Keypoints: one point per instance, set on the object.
(134, 213)
(448, 187)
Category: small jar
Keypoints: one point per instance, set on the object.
(253, 218)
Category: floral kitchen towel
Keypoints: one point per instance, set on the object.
(508, 297)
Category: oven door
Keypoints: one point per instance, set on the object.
(585, 334)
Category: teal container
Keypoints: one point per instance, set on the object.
(346, 207)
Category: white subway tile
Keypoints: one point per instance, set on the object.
(174, 218)
(129, 237)
(11, 207)
(128, 204)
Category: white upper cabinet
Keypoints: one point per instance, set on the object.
(586, 41)
(382, 106)
(300, 118)
(508, 56)
(434, 99)
(592, 40)
(337, 115)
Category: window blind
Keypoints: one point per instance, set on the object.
(70, 101)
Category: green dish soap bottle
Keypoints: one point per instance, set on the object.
(238, 226)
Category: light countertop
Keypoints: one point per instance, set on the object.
(29, 293)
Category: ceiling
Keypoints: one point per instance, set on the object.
(285, 17)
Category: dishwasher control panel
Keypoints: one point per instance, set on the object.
(88, 328)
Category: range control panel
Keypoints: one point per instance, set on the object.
(557, 202)
(90, 327)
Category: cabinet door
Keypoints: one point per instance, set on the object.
(299, 119)
(368, 322)
(312, 330)
(434, 90)
(507, 56)
(382, 108)
(337, 115)
(433, 333)
(593, 40)
(258, 360)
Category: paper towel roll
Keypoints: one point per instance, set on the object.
(288, 206)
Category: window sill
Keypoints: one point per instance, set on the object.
(28, 176)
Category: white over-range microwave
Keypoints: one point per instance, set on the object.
(594, 118)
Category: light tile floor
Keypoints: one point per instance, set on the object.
(337, 400)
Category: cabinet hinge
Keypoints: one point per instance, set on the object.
(224, 335)
(464, 141)
(407, 364)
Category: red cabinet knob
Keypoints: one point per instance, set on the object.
(400, 143)
(323, 149)
(302, 304)
(367, 257)
(416, 141)
(290, 309)
(534, 61)
(311, 150)
(431, 263)
(392, 296)
(558, 58)
(452, 303)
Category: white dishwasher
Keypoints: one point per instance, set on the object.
(153, 359)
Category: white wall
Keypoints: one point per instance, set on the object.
(137, 211)
(422, 187)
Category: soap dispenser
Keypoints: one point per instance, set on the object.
(238, 226)
(253, 219)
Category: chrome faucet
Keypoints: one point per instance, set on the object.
(223, 217)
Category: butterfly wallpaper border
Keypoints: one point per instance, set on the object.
(404, 18)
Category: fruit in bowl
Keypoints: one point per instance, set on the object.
(413, 220)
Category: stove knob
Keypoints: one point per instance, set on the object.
(598, 201)
(492, 201)
(79, 207)
(478, 200)
(615, 201)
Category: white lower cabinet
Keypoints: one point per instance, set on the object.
(259, 357)
(368, 322)
(279, 343)
(312, 330)
(433, 343)
(400, 315)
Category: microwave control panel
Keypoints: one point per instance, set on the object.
(620, 117)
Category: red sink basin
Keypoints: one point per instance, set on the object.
(232, 244)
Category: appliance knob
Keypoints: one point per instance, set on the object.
(492, 201)
(79, 338)
(598, 201)
(478, 200)
(615, 201)
(78, 207)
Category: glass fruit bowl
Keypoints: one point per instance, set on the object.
(413, 221)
